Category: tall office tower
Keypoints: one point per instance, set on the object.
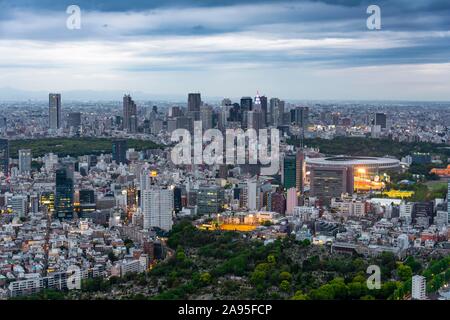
(177, 203)
(263, 100)
(206, 116)
(25, 160)
(54, 111)
(64, 190)
(254, 120)
(418, 288)
(254, 200)
(246, 106)
(288, 172)
(210, 199)
(119, 151)
(235, 113)
(4, 156)
(300, 116)
(276, 111)
(157, 208)
(300, 171)
(174, 112)
(380, 120)
(129, 114)
(194, 103)
(74, 120)
(292, 201)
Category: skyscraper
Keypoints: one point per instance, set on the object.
(276, 112)
(194, 103)
(119, 151)
(246, 106)
(380, 120)
(64, 190)
(24, 160)
(206, 117)
(4, 156)
(254, 195)
(54, 111)
(263, 100)
(74, 120)
(288, 173)
(129, 114)
(157, 208)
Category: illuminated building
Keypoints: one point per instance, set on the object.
(209, 200)
(131, 201)
(356, 173)
(47, 199)
(64, 204)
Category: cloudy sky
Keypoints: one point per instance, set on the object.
(307, 49)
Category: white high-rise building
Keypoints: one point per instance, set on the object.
(418, 290)
(25, 160)
(253, 195)
(157, 208)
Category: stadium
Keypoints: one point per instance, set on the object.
(365, 173)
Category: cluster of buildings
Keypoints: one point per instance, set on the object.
(57, 212)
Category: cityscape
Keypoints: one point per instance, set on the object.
(251, 193)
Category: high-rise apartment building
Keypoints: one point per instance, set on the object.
(24, 160)
(54, 111)
(418, 288)
(157, 208)
(254, 200)
(129, 114)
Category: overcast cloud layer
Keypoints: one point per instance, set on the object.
(292, 49)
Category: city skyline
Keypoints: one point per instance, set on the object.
(296, 50)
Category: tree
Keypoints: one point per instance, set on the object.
(404, 272)
(299, 296)
(205, 277)
(285, 286)
(285, 276)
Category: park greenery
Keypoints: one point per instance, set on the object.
(74, 146)
(229, 265)
(356, 146)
